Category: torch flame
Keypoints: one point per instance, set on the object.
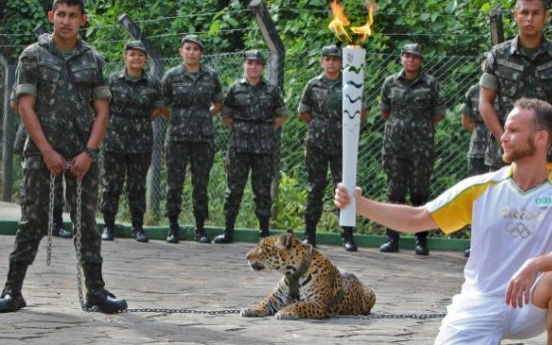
(340, 21)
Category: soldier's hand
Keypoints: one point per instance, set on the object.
(54, 162)
(80, 165)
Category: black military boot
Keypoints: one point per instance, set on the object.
(228, 235)
(138, 227)
(310, 233)
(264, 225)
(174, 230)
(59, 230)
(109, 229)
(347, 238)
(98, 296)
(421, 243)
(199, 232)
(12, 299)
(392, 243)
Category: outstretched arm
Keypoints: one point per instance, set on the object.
(398, 217)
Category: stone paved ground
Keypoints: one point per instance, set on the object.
(216, 278)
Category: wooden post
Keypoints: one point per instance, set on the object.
(276, 65)
(8, 128)
(497, 26)
(153, 195)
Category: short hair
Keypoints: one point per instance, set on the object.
(542, 111)
(79, 3)
(544, 3)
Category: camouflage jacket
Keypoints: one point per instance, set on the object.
(190, 95)
(323, 99)
(513, 74)
(253, 109)
(480, 135)
(132, 103)
(65, 86)
(409, 130)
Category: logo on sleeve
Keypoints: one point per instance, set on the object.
(543, 201)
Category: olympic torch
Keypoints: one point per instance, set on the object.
(354, 57)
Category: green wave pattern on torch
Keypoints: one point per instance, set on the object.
(358, 86)
(354, 100)
(355, 69)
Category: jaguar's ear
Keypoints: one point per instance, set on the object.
(285, 239)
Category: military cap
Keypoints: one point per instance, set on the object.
(254, 55)
(192, 38)
(412, 48)
(332, 50)
(136, 45)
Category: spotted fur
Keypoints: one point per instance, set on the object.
(311, 287)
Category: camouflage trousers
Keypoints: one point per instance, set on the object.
(34, 212)
(118, 167)
(316, 162)
(410, 175)
(476, 166)
(201, 156)
(237, 167)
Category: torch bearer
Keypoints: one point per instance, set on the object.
(353, 81)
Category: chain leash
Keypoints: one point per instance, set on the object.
(417, 316)
(78, 247)
(50, 219)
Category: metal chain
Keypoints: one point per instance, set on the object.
(78, 247)
(183, 311)
(50, 219)
(420, 316)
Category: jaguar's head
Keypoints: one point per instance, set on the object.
(284, 253)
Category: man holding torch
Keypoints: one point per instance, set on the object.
(507, 292)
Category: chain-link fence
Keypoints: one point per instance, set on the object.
(456, 74)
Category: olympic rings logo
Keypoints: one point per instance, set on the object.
(518, 230)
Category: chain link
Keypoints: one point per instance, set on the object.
(183, 311)
(50, 219)
(78, 247)
(418, 316)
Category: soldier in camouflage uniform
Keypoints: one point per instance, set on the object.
(128, 145)
(472, 122)
(521, 67)
(253, 109)
(194, 94)
(321, 108)
(18, 146)
(64, 104)
(412, 102)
